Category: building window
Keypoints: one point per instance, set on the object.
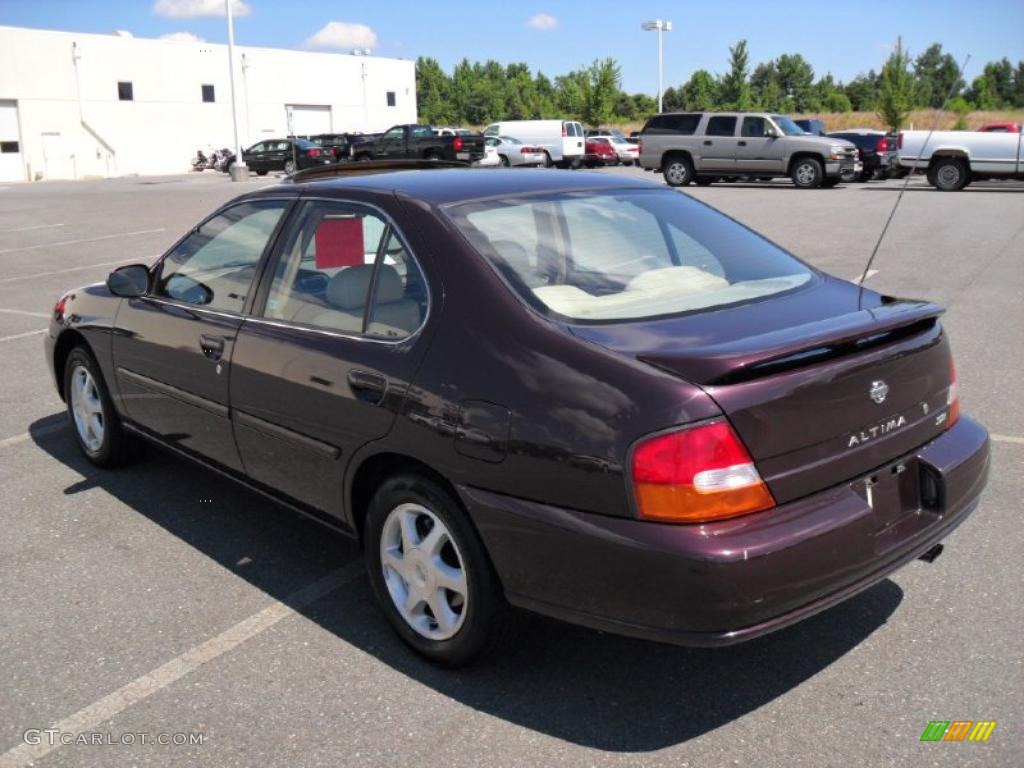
(8, 147)
(391, 98)
(124, 91)
(208, 93)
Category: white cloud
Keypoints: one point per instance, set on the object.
(543, 22)
(342, 34)
(189, 9)
(182, 37)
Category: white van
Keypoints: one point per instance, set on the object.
(561, 140)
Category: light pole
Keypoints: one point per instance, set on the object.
(239, 171)
(659, 26)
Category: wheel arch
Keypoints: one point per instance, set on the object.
(68, 340)
(800, 155)
(670, 153)
(942, 154)
(374, 470)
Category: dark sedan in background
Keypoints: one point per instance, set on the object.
(288, 155)
(877, 153)
(584, 395)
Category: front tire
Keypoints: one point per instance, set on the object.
(949, 174)
(261, 173)
(289, 167)
(430, 572)
(94, 421)
(807, 173)
(677, 170)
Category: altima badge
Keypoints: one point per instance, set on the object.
(879, 391)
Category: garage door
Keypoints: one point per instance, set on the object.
(11, 167)
(308, 119)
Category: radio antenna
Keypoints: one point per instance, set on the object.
(906, 181)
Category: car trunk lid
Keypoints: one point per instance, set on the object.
(816, 402)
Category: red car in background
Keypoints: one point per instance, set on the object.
(1000, 128)
(598, 150)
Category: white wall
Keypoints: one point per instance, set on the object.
(76, 126)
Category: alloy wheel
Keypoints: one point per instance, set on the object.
(87, 408)
(806, 173)
(424, 571)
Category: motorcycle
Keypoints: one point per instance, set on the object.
(200, 162)
(224, 159)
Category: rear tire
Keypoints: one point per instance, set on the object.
(407, 559)
(91, 413)
(548, 162)
(261, 173)
(289, 167)
(807, 173)
(504, 161)
(949, 174)
(677, 170)
(704, 181)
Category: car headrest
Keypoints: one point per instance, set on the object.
(348, 288)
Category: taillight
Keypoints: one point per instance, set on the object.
(457, 144)
(313, 152)
(697, 475)
(953, 398)
(899, 141)
(882, 145)
(564, 133)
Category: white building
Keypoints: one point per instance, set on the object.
(84, 105)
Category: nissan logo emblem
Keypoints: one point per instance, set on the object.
(879, 391)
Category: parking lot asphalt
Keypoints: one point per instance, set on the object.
(163, 599)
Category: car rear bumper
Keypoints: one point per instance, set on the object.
(729, 581)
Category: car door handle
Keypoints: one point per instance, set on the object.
(707, 143)
(368, 387)
(212, 346)
(741, 143)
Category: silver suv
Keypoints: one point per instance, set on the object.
(704, 146)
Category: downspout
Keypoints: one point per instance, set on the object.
(76, 55)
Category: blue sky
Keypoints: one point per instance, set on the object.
(555, 36)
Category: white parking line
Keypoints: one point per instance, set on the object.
(77, 269)
(114, 703)
(7, 441)
(871, 273)
(24, 335)
(24, 312)
(81, 240)
(1007, 439)
(28, 229)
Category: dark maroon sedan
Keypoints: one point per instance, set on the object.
(587, 396)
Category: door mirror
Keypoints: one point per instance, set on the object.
(771, 133)
(129, 282)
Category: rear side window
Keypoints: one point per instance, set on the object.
(625, 255)
(345, 269)
(721, 125)
(683, 125)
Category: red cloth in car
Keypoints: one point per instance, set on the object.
(339, 243)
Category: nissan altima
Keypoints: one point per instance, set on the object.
(586, 396)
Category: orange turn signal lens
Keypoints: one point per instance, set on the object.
(697, 475)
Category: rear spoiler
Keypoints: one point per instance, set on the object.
(755, 356)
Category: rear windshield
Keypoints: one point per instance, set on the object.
(624, 255)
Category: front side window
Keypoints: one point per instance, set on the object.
(788, 126)
(345, 269)
(755, 127)
(214, 267)
(625, 255)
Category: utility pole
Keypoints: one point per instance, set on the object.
(660, 26)
(239, 171)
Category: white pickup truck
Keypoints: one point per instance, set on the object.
(953, 159)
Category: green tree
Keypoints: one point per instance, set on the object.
(863, 90)
(765, 91)
(671, 99)
(734, 88)
(959, 106)
(433, 93)
(896, 94)
(796, 80)
(701, 92)
(644, 105)
(600, 86)
(1018, 85)
(937, 75)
